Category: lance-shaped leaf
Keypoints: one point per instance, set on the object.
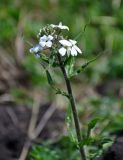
(69, 65)
(52, 59)
(87, 139)
(51, 82)
(91, 125)
(49, 78)
(77, 71)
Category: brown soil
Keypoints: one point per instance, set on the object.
(13, 127)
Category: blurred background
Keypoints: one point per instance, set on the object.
(24, 91)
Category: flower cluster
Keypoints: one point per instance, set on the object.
(65, 47)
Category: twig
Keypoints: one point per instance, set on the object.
(32, 125)
(13, 116)
(25, 150)
(33, 131)
(34, 117)
(44, 120)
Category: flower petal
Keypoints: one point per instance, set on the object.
(65, 43)
(36, 49)
(73, 41)
(78, 50)
(49, 44)
(64, 27)
(62, 51)
(59, 26)
(43, 38)
(73, 51)
(53, 25)
(42, 43)
(50, 37)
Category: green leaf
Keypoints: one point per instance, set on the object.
(51, 82)
(69, 65)
(67, 61)
(52, 59)
(107, 145)
(93, 123)
(43, 153)
(49, 78)
(79, 70)
(44, 58)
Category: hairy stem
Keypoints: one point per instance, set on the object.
(73, 106)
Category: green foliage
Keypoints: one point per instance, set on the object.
(116, 66)
(49, 78)
(43, 153)
(92, 123)
(62, 149)
(69, 65)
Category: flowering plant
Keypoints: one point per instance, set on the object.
(61, 52)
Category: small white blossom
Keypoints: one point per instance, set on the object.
(69, 47)
(36, 49)
(46, 41)
(65, 42)
(60, 26)
(62, 51)
(74, 48)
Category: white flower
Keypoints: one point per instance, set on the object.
(46, 41)
(60, 26)
(66, 43)
(69, 47)
(74, 48)
(36, 49)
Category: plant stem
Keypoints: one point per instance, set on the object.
(73, 106)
